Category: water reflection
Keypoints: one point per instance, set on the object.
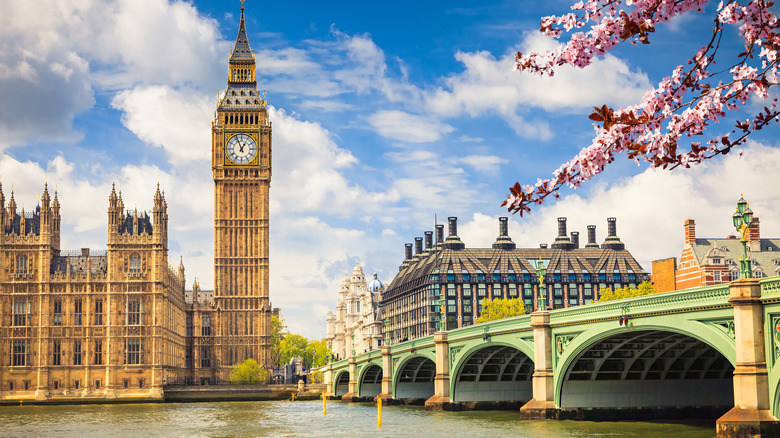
(305, 419)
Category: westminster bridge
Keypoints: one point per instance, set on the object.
(709, 349)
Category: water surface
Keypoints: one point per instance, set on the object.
(305, 419)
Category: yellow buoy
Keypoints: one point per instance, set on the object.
(324, 404)
(379, 412)
(292, 394)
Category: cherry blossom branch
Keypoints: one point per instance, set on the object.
(683, 104)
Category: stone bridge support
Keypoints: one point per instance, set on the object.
(387, 376)
(351, 394)
(750, 416)
(329, 381)
(441, 383)
(542, 406)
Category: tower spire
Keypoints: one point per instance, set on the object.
(242, 51)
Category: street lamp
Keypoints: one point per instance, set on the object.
(442, 316)
(542, 301)
(742, 219)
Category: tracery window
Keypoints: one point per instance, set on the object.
(134, 266)
(21, 264)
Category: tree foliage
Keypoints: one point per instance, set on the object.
(248, 372)
(607, 294)
(276, 339)
(682, 106)
(500, 308)
(291, 346)
(317, 377)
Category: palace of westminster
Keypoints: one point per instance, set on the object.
(117, 323)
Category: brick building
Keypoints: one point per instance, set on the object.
(708, 261)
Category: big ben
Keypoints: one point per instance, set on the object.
(241, 164)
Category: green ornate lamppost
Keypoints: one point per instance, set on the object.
(542, 299)
(442, 314)
(742, 219)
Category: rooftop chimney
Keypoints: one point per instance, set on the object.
(575, 239)
(754, 235)
(418, 245)
(453, 241)
(408, 251)
(612, 241)
(439, 233)
(690, 232)
(592, 237)
(562, 241)
(428, 240)
(503, 241)
(543, 245)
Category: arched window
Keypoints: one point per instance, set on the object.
(134, 266)
(21, 264)
(247, 101)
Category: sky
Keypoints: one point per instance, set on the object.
(386, 118)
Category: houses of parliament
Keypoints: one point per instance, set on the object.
(118, 322)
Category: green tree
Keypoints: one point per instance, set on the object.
(500, 308)
(276, 339)
(607, 294)
(293, 345)
(319, 353)
(317, 376)
(248, 373)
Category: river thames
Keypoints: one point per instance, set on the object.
(305, 419)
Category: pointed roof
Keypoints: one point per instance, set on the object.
(242, 52)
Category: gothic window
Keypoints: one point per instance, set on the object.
(77, 312)
(19, 353)
(135, 264)
(247, 101)
(99, 311)
(21, 265)
(21, 312)
(57, 312)
(234, 92)
(56, 353)
(99, 352)
(134, 312)
(76, 352)
(205, 328)
(205, 357)
(134, 354)
(242, 93)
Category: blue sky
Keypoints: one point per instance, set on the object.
(385, 115)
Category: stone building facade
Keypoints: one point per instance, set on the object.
(461, 277)
(85, 323)
(356, 327)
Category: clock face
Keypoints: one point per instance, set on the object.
(241, 149)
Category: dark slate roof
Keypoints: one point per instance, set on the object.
(415, 272)
(242, 52)
(241, 96)
(144, 224)
(768, 258)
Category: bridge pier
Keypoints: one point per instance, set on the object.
(542, 405)
(351, 395)
(750, 416)
(329, 381)
(387, 377)
(441, 383)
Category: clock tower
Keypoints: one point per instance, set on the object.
(241, 165)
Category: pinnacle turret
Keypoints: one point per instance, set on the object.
(242, 52)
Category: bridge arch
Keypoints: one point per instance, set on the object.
(370, 380)
(341, 383)
(414, 378)
(647, 366)
(496, 371)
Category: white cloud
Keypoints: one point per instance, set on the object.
(176, 120)
(308, 174)
(483, 163)
(406, 127)
(491, 86)
(652, 206)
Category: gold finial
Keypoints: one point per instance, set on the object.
(242, 3)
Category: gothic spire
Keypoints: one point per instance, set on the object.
(242, 52)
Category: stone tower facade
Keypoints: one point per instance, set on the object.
(241, 164)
